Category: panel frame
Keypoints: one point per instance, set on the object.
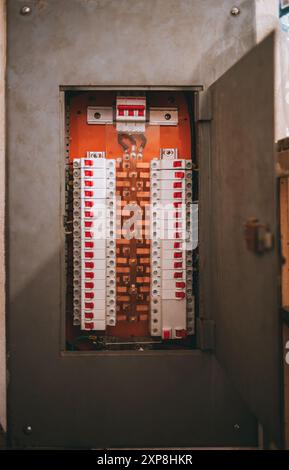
(194, 90)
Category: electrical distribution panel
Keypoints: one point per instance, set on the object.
(131, 221)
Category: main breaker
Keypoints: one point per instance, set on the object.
(131, 220)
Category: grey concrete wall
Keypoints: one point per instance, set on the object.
(267, 12)
(267, 19)
(2, 205)
(126, 42)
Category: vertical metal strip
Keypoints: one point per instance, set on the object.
(190, 307)
(76, 242)
(156, 313)
(111, 243)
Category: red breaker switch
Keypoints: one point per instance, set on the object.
(88, 204)
(88, 315)
(88, 254)
(88, 214)
(167, 333)
(180, 285)
(88, 305)
(89, 244)
(89, 275)
(88, 224)
(177, 164)
(178, 255)
(178, 235)
(177, 245)
(89, 285)
(89, 265)
(180, 333)
(179, 174)
(88, 173)
(177, 195)
(178, 265)
(178, 185)
(88, 326)
(180, 295)
(88, 162)
(130, 110)
(88, 235)
(88, 193)
(88, 183)
(177, 204)
(178, 224)
(89, 295)
(178, 275)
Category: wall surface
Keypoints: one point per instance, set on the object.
(267, 19)
(159, 42)
(267, 12)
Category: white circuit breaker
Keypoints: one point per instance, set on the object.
(172, 303)
(94, 250)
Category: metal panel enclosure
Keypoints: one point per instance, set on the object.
(244, 285)
(130, 399)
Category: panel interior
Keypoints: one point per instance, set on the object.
(131, 220)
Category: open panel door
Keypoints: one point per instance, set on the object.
(245, 290)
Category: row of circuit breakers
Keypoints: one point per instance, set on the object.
(97, 229)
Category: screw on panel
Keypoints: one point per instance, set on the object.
(235, 11)
(236, 427)
(25, 10)
(27, 429)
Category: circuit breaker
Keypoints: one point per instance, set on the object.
(131, 219)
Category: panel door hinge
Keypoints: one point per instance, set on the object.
(205, 334)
